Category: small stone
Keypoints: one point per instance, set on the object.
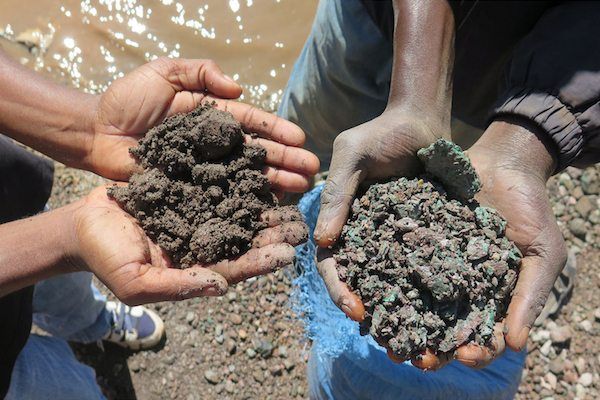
(276, 370)
(220, 339)
(577, 227)
(212, 377)
(586, 325)
(169, 360)
(545, 349)
(230, 346)
(561, 336)
(218, 330)
(134, 365)
(577, 192)
(251, 353)
(586, 379)
(557, 366)
(550, 378)
(258, 376)
(229, 386)
(242, 334)
(580, 365)
(584, 206)
(236, 319)
(264, 348)
(231, 296)
(289, 365)
(283, 351)
(597, 314)
(189, 317)
(590, 181)
(570, 377)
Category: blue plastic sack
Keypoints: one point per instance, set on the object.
(345, 365)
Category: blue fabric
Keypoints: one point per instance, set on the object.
(47, 369)
(70, 307)
(345, 365)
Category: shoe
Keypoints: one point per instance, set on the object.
(135, 328)
(561, 291)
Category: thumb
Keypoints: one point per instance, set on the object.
(197, 75)
(536, 278)
(338, 194)
(153, 284)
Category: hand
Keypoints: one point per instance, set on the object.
(110, 243)
(381, 148)
(144, 98)
(514, 165)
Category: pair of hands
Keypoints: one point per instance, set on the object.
(513, 165)
(111, 244)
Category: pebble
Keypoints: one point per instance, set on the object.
(229, 387)
(264, 348)
(577, 227)
(230, 346)
(584, 206)
(212, 377)
(551, 379)
(545, 349)
(189, 317)
(236, 319)
(557, 366)
(258, 376)
(586, 325)
(242, 334)
(561, 335)
(597, 314)
(251, 353)
(586, 379)
(590, 182)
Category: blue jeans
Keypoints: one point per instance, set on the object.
(69, 307)
(341, 80)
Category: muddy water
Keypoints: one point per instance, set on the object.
(89, 43)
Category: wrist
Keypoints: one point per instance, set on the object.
(515, 144)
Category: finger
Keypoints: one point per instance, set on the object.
(476, 356)
(340, 189)
(262, 123)
(293, 233)
(429, 361)
(196, 75)
(286, 157)
(536, 278)
(255, 262)
(152, 284)
(280, 215)
(339, 292)
(286, 181)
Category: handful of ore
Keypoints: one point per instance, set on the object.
(433, 268)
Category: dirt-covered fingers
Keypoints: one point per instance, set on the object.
(258, 261)
(277, 216)
(430, 361)
(476, 356)
(339, 292)
(294, 233)
(293, 159)
(286, 181)
(344, 177)
(536, 278)
(152, 284)
(262, 123)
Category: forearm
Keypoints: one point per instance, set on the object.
(36, 248)
(48, 117)
(421, 81)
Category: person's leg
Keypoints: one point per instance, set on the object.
(47, 369)
(341, 78)
(71, 307)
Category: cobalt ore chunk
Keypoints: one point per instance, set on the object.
(433, 271)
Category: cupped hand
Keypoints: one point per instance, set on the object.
(113, 246)
(514, 162)
(145, 97)
(382, 148)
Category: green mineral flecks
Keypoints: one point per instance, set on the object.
(432, 271)
(450, 165)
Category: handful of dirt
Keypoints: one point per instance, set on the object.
(432, 267)
(201, 193)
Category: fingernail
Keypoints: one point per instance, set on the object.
(522, 338)
(230, 79)
(346, 309)
(217, 290)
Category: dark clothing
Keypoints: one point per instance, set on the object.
(538, 60)
(25, 185)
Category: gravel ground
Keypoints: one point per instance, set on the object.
(249, 345)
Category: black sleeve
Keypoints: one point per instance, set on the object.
(25, 185)
(553, 80)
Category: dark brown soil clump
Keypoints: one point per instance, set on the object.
(433, 271)
(202, 192)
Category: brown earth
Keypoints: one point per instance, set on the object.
(201, 193)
